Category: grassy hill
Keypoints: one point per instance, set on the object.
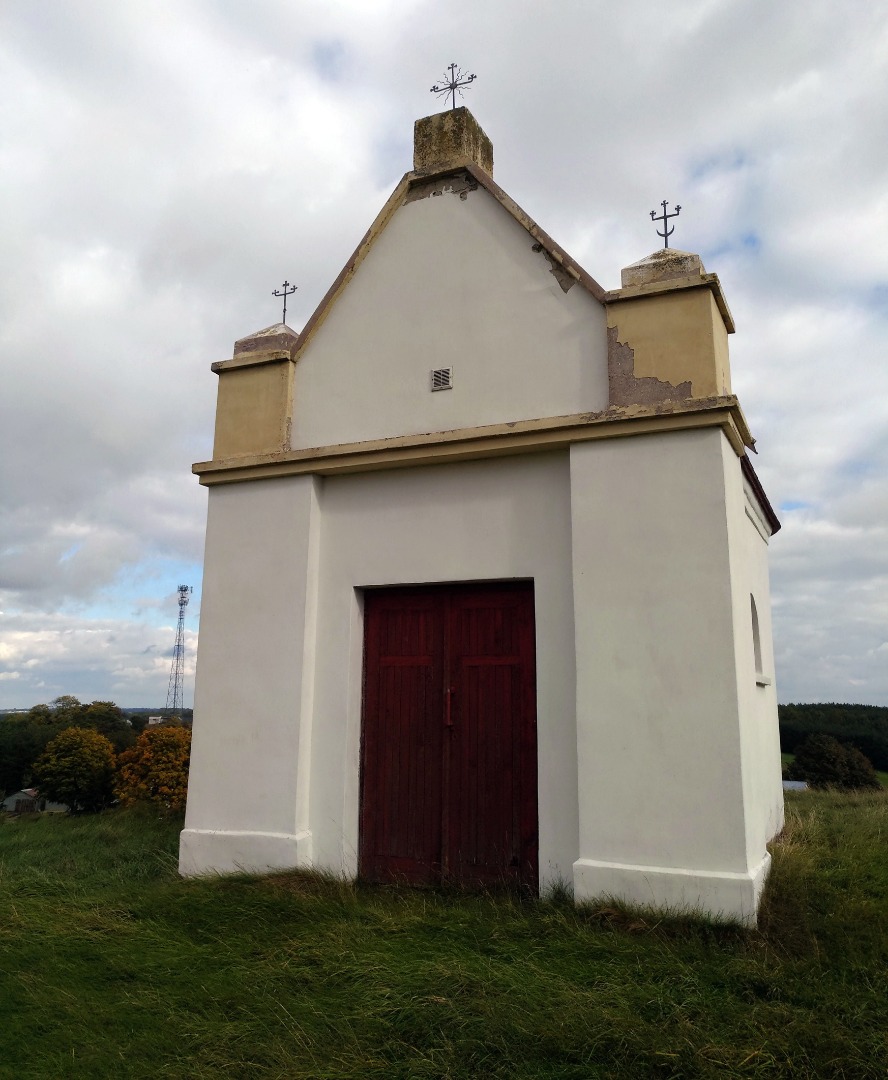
(112, 966)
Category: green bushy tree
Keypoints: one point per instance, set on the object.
(77, 769)
(138, 722)
(824, 762)
(863, 726)
(109, 720)
(21, 743)
(103, 716)
(859, 771)
(24, 737)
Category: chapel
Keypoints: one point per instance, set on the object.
(485, 593)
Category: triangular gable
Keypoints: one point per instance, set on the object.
(439, 282)
(397, 199)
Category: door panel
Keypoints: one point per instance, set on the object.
(448, 783)
(403, 743)
(491, 792)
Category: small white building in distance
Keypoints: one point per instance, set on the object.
(486, 583)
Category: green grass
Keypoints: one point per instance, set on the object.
(111, 966)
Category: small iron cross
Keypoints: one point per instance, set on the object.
(288, 291)
(664, 217)
(453, 85)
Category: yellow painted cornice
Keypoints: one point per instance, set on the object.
(494, 440)
(691, 281)
(251, 359)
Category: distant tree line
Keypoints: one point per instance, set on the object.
(862, 726)
(88, 756)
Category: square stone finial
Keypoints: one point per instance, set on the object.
(449, 138)
(278, 337)
(662, 265)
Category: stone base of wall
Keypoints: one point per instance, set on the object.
(212, 851)
(720, 894)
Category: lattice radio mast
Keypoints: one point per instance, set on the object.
(174, 692)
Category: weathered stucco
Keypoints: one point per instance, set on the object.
(278, 337)
(626, 388)
(663, 265)
(676, 336)
(448, 138)
(561, 274)
(457, 183)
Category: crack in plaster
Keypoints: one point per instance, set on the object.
(564, 279)
(458, 184)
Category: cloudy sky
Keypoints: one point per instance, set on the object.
(165, 164)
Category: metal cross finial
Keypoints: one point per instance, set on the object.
(453, 85)
(664, 217)
(288, 291)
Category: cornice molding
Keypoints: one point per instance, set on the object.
(494, 440)
(671, 285)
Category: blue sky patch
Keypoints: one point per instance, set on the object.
(146, 593)
(879, 297)
(328, 60)
(856, 467)
(749, 243)
(728, 161)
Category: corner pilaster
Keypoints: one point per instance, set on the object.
(254, 403)
(661, 810)
(248, 805)
(668, 332)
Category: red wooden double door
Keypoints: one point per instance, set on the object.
(449, 755)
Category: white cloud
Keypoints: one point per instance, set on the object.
(167, 165)
(94, 659)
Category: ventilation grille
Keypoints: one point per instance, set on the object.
(442, 378)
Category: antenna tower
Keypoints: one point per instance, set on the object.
(174, 692)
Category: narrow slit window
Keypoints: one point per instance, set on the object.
(756, 642)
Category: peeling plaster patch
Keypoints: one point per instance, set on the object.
(458, 184)
(625, 388)
(564, 279)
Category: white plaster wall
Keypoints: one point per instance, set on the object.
(643, 653)
(661, 795)
(254, 671)
(507, 518)
(760, 735)
(450, 282)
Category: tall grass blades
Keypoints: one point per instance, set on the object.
(112, 966)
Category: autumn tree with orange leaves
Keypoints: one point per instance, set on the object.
(155, 770)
